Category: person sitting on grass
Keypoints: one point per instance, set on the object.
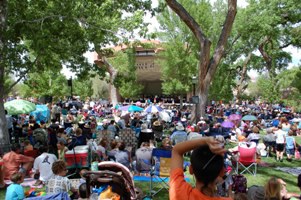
(27, 146)
(123, 156)
(61, 150)
(207, 164)
(15, 191)
(43, 164)
(14, 162)
(59, 183)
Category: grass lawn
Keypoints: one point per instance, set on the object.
(263, 174)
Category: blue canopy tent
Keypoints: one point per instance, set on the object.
(42, 113)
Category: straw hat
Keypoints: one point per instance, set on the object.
(157, 123)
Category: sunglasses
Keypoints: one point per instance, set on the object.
(209, 161)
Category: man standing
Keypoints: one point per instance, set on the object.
(43, 164)
(280, 142)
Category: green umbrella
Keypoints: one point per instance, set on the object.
(249, 118)
(19, 106)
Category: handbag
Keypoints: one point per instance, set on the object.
(297, 155)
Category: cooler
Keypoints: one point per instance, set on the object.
(78, 159)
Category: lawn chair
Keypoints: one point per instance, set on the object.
(160, 170)
(247, 158)
(128, 136)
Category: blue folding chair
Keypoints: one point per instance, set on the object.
(160, 170)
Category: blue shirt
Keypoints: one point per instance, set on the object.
(290, 142)
(14, 192)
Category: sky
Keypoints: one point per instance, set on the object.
(154, 25)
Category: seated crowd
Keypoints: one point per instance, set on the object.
(48, 165)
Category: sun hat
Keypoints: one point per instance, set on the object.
(157, 123)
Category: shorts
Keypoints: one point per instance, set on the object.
(290, 151)
(279, 147)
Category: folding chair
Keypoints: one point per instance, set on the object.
(128, 136)
(247, 158)
(160, 170)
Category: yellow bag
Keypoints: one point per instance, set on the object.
(108, 194)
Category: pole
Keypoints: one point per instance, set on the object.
(71, 88)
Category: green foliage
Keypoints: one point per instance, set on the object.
(82, 88)
(39, 35)
(126, 80)
(222, 86)
(267, 89)
(47, 83)
(296, 80)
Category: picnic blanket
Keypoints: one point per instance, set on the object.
(28, 182)
(291, 170)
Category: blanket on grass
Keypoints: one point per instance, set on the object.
(291, 170)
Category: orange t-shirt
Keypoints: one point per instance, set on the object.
(12, 162)
(181, 190)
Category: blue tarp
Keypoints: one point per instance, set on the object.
(42, 112)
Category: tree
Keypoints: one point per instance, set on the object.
(83, 88)
(178, 60)
(37, 35)
(208, 63)
(47, 83)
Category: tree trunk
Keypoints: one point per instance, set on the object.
(207, 65)
(113, 90)
(181, 101)
(267, 58)
(4, 137)
(114, 94)
(241, 86)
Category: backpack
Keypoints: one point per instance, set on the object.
(239, 183)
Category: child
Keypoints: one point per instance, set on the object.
(82, 191)
(15, 190)
(207, 164)
(27, 146)
(82, 180)
(290, 145)
(61, 150)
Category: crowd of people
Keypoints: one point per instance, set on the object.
(39, 147)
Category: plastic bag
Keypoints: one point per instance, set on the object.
(108, 194)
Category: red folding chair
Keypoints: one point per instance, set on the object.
(247, 158)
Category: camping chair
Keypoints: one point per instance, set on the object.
(128, 136)
(247, 158)
(160, 170)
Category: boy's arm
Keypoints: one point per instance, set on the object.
(181, 148)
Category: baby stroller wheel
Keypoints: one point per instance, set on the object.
(139, 193)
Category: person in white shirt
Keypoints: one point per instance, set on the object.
(280, 142)
(43, 164)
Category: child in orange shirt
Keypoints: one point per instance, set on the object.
(207, 164)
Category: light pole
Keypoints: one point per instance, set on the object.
(195, 98)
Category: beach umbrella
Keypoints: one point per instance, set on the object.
(296, 120)
(42, 113)
(234, 117)
(153, 109)
(227, 124)
(19, 106)
(249, 118)
(130, 108)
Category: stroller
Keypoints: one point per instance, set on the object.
(117, 176)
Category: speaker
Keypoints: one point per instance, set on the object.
(69, 82)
